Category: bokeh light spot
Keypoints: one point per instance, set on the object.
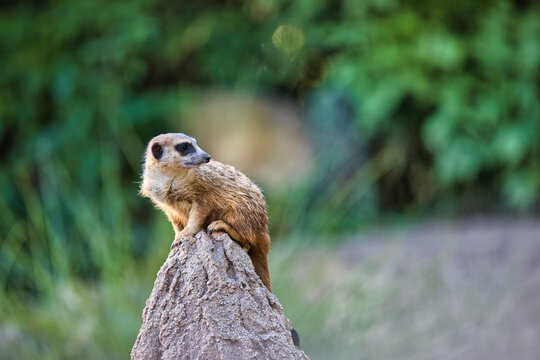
(288, 38)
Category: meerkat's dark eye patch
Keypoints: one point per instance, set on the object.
(184, 148)
(157, 151)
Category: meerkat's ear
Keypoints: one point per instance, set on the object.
(157, 151)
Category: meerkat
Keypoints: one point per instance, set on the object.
(198, 193)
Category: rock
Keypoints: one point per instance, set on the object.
(208, 303)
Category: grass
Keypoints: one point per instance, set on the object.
(70, 285)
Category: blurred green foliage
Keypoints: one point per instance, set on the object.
(410, 104)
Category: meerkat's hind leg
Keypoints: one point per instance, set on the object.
(220, 225)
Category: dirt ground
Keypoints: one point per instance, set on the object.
(445, 289)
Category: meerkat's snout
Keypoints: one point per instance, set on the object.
(191, 154)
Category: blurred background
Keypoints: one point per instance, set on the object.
(397, 143)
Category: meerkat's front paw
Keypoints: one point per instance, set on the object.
(175, 243)
(179, 235)
(187, 232)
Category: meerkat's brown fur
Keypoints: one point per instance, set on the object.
(198, 193)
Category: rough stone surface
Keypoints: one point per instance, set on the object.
(208, 303)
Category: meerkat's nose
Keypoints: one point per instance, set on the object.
(207, 157)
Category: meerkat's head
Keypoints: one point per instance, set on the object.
(175, 152)
(169, 156)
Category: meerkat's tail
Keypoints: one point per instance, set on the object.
(258, 257)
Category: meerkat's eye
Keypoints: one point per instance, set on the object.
(184, 148)
(157, 151)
